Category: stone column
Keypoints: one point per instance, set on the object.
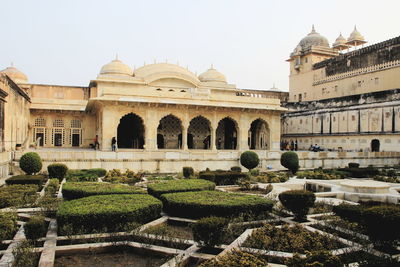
(184, 136)
(150, 134)
(213, 129)
(244, 126)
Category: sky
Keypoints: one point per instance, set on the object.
(67, 42)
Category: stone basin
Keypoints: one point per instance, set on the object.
(368, 187)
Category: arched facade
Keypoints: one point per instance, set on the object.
(169, 133)
(199, 133)
(259, 135)
(226, 134)
(130, 132)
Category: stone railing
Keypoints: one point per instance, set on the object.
(344, 75)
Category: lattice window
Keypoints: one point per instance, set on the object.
(40, 122)
(58, 123)
(76, 123)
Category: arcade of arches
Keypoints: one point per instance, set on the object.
(198, 134)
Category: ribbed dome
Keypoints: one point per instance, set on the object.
(313, 39)
(15, 74)
(212, 75)
(356, 36)
(340, 43)
(116, 67)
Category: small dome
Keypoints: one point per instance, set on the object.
(15, 74)
(212, 75)
(116, 67)
(313, 39)
(356, 36)
(340, 43)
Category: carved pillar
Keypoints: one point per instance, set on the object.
(243, 132)
(213, 129)
(184, 136)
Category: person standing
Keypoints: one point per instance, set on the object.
(96, 142)
(114, 144)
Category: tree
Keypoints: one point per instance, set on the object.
(249, 160)
(290, 160)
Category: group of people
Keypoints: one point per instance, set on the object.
(96, 144)
(286, 145)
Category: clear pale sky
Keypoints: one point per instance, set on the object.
(67, 42)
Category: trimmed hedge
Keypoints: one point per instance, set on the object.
(107, 212)
(210, 231)
(349, 212)
(85, 175)
(30, 163)
(290, 160)
(209, 203)
(26, 179)
(222, 177)
(57, 170)
(18, 195)
(236, 258)
(35, 228)
(74, 190)
(361, 172)
(173, 186)
(8, 225)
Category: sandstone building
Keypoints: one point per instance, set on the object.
(341, 99)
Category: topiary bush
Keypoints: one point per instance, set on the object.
(173, 186)
(35, 228)
(8, 225)
(74, 190)
(249, 159)
(106, 212)
(290, 160)
(188, 172)
(18, 195)
(27, 179)
(30, 163)
(236, 258)
(210, 231)
(57, 170)
(353, 213)
(298, 202)
(214, 203)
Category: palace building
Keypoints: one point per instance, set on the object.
(343, 96)
(155, 112)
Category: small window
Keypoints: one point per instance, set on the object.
(336, 88)
(353, 118)
(58, 123)
(376, 80)
(359, 83)
(171, 90)
(40, 122)
(301, 121)
(159, 89)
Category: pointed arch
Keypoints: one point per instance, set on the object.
(226, 134)
(130, 132)
(199, 133)
(259, 135)
(169, 132)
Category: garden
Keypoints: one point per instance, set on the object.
(233, 217)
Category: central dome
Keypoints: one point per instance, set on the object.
(313, 39)
(212, 75)
(116, 67)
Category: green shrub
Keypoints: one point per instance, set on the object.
(298, 202)
(129, 177)
(209, 231)
(290, 160)
(25, 255)
(85, 175)
(8, 225)
(52, 186)
(352, 213)
(361, 172)
(255, 172)
(236, 169)
(354, 165)
(30, 163)
(107, 212)
(17, 195)
(74, 190)
(57, 170)
(293, 239)
(236, 258)
(27, 179)
(249, 159)
(157, 189)
(213, 203)
(322, 175)
(222, 177)
(35, 228)
(382, 224)
(187, 172)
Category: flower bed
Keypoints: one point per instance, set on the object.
(184, 185)
(107, 212)
(207, 203)
(79, 190)
(295, 239)
(17, 195)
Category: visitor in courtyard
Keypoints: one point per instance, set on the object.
(292, 145)
(114, 144)
(96, 142)
(295, 145)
